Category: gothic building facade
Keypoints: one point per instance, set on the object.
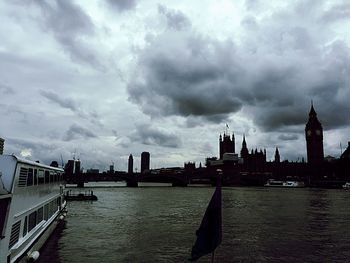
(252, 168)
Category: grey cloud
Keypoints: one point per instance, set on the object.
(149, 135)
(337, 12)
(75, 131)
(63, 102)
(175, 19)
(186, 79)
(70, 26)
(45, 152)
(72, 105)
(251, 4)
(6, 89)
(283, 66)
(288, 137)
(122, 5)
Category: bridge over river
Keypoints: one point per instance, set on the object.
(132, 180)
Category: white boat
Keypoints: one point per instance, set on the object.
(31, 205)
(277, 183)
(346, 186)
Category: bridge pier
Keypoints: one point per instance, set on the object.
(80, 184)
(132, 183)
(179, 184)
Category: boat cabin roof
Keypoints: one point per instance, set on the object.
(8, 164)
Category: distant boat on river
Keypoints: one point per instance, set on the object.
(279, 183)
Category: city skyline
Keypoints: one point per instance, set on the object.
(106, 79)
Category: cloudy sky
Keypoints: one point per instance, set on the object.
(103, 79)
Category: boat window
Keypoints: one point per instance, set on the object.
(30, 177)
(40, 215)
(32, 221)
(41, 176)
(51, 177)
(14, 234)
(25, 226)
(46, 212)
(3, 213)
(47, 177)
(22, 181)
(35, 176)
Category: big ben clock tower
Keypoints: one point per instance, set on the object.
(314, 139)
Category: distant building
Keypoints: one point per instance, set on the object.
(72, 168)
(314, 139)
(111, 169)
(130, 164)
(255, 159)
(226, 144)
(2, 141)
(92, 171)
(277, 156)
(145, 160)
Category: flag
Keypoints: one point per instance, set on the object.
(209, 234)
(227, 126)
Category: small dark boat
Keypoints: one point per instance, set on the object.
(80, 196)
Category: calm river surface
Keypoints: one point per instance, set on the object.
(158, 224)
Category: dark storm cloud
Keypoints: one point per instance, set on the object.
(149, 135)
(6, 89)
(76, 131)
(122, 5)
(187, 78)
(175, 19)
(282, 63)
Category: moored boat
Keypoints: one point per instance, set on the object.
(31, 205)
(279, 183)
(346, 186)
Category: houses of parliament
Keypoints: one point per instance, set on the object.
(252, 168)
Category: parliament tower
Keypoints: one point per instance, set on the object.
(314, 139)
(226, 144)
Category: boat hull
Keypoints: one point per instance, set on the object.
(39, 241)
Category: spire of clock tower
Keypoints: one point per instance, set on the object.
(314, 138)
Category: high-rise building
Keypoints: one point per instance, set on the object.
(2, 141)
(72, 168)
(226, 144)
(130, 164)
(314, 139)
(145, 160)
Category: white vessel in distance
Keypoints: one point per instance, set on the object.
(346, 186)
(31, 205)
(279, 183)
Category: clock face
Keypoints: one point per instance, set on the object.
(318, 132)
(308, 132)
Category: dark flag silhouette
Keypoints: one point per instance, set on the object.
(209, 234)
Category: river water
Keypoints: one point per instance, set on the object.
(158, 224)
